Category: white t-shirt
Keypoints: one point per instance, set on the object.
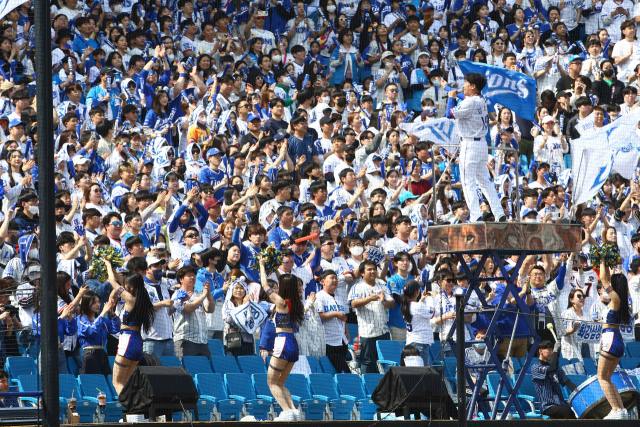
(627, 66)
(419, 330)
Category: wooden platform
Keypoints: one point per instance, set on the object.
(507, 238)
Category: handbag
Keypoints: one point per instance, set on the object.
(234, 339)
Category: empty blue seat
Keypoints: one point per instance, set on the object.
(633, 349)
(89, 386)
(252, 365)
(224, 365)
(312, 408)
(389, 352)
(214, 403)
(435, 353)
(240, 387)
(314, 364)
(28, 383)
(216, 348)
(629, 362)
(353, 332)
(590, 367)
(370, 382)
(324, 387)
(17, 365)
(327, 366)
(72, 366)
(68, 386)
(351, 385)
(196, 365)
(170, 361)
(261, 386)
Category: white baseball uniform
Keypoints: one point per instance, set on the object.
(473, 120)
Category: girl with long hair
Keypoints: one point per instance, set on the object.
(93, 330)
(405, 268)
(289, 315)
(611, 343)
(445, 197)
(138, 314)
(239, 295)
(159, 111)
(417, 310)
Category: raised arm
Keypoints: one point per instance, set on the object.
(273, 297)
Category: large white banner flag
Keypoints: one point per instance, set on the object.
(440, 131)
(613, 148)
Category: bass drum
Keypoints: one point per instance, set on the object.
(588, 400)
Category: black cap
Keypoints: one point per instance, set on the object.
(371, 234)
(349, 147)
(325, 120)
(106, 70)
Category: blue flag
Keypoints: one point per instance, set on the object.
(514, 90)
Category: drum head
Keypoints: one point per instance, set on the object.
(601, 408)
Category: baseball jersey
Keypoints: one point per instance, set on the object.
(329, 166)
(372, 318)
(341, 196)
(419, 330)
(444, 304)
(588, 283)
(340, 266)
(333, 328)
(472, 117)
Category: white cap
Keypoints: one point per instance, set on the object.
(197, 248)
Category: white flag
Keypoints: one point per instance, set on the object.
(249, 316)
(440, 131)
(612, 148)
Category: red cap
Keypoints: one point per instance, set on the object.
(211, 203)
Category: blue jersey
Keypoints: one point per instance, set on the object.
(209, 176)
(396, 286)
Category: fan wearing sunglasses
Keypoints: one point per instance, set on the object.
(113, 223)
(573, 317)
(445, 307)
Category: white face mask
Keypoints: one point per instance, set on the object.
(326, 99)
(448, 194)
(287, 81)
(34, 210)
(357, 250)
(380, 243)
(117, 9)
(605, 295)
(33, 254)
(529, 220)
(331, 9)
(388, 65)
(170, 58)
(142, 12)
(202, 120)
(276, 58)
(550, 50)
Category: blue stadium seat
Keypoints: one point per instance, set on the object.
(353, 332)
(324, 387)
(516, 364)
(170, 361)
(89, 386)
(113, 389)
(389, 352)
(327, 366)
(252, 365)
(629, 362)
(261, 386)
(312, 408)
(434, 352)
(72, 366)
(527, 393)
(18, 365)
(68, 386)
(590, 367)
(633, 348)
(370, 382)
(493, 379)
(256, 347)
(577, 380)
(351, 385)
(240, 387)
(216, 348)
(214, 403)
(562, 362)
(450, 365)
(196, 365)
(225, 365)
(28, 383)
(314, 364)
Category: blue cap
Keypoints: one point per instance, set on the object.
(213, 152)
(345, 213)
(252, 116)
(148, 160)
(282, 134)
(427, 6)
(209, 81)
(574, 57)
(527, 211)
(406, 196)
(16, 122)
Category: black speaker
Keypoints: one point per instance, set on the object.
(159, 390)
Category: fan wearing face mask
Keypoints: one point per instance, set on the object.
(546, 71)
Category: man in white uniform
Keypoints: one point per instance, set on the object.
(473, 119)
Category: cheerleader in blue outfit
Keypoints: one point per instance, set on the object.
(611, 343)
(138, 314)
(288, 317)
